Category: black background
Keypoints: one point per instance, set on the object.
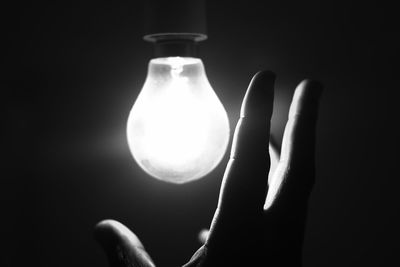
(71, 71)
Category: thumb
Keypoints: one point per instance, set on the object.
(122, 247)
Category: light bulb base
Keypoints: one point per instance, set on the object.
(175, 44)
(160, 37)
(175, 26)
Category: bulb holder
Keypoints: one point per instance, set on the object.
(175, 26)
(175, 44)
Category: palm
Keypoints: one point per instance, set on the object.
(257, 222)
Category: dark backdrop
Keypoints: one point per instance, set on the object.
(71, 70)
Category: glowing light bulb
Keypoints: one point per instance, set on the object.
(178, 130)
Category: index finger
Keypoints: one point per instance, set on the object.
(245, 181)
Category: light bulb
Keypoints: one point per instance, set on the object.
(178, 130)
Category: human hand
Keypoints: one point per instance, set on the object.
(256, 222)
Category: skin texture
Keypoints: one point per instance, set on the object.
(246, 229)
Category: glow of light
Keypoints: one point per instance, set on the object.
(177, 130)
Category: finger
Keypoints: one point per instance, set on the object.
(245, 180)
(295, 174)
(198, 258)
(123, 248)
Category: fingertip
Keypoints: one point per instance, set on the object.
(105, 224)
(121, 246)
(111, 232)
(313, 86)
(306, 97)
(259, 95)
(105, 233)
(264, 74)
